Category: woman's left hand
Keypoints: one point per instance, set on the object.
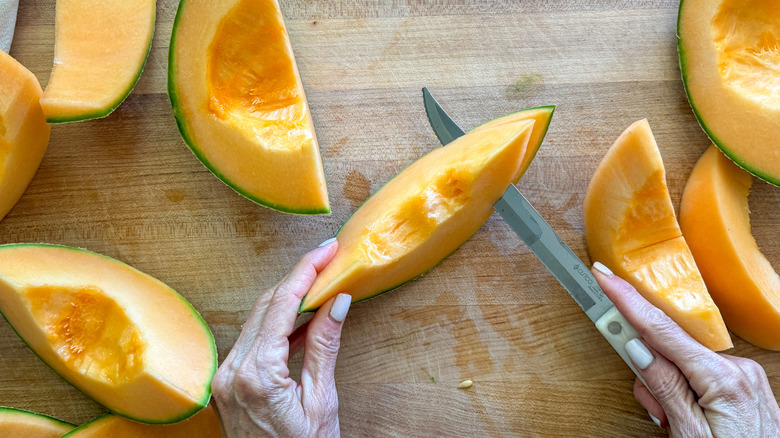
(253, 391)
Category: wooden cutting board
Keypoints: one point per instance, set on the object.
(127, 186)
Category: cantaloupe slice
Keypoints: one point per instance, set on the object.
(204, 424)
(16, 423)
(240, 105)
(429, 209)
(730, 61)
(630, 226)
(100, 48)
(122, 337)
(24, 134)
(715, 220)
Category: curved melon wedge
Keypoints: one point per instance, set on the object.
(204, 424)
(24, 134)
(428, 210)
(100, 48)
(729, 58)
(25, 424)
(122, 337)
(715, 220)
(630, 226)
(240, 104)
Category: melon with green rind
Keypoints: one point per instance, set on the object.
(100, 50)
(730, 63)
(204, 424)
(240, 105)
(120, 336)
(429, 209)
(25, 424)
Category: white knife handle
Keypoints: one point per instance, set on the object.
(617, 330)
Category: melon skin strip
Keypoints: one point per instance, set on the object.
(204, 424)
(25, 424)
(240, 106)
(100, 50)
(630, 226)
(429, 209)
(122, 337)
(715, 220)
(24, 133)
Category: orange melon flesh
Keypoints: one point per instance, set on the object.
(100, 48)
(630, 226)
(730, 63)
(122, 337)
(204, 424)
(427, 211)
(715, 219)
(24, 424)
(240, 104)
(24, 134)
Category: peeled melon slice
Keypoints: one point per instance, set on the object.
(100, 48)
(429, 209)
(204, 424)
(122, 337)
(630, 226)
(240, 105)
(24, 134)
(715, 219)
(730, 61)
(24, 424)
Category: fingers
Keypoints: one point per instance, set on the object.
(659, 331)
(646, 399)
(319, 359)
(279, 320)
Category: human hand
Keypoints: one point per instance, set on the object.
(693, 391)
(253, 391)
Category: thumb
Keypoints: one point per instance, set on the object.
(321, 348)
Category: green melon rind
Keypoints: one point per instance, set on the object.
(733, 155)
(103, 112)
(303, 308)
(180, 122)
(202, 403)
(87, 425)
(36, 415)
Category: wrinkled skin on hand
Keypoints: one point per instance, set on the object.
(253, 391)
(691, 390)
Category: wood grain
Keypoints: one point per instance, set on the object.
(126, 186)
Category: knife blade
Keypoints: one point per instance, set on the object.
(8, 10)
(549, 248)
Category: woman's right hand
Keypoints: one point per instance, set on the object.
(692, 390)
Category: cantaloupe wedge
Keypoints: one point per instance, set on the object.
(16, 423)
(240, 104)
(122, 337)
(100, 49)
(204, 424)
(630, 226)
(428, 210)
(24, 134)
(715, 220)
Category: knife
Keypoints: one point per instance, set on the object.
(559, 259)
(8, 10)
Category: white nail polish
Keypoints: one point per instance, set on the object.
(340, 307)
(655, 420)
(331, 240)
(639, 353)
(603, 269)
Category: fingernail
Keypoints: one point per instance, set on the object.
(331, 240)
(603, 269)
(655, 420)
(639, 353)
(340, 307)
